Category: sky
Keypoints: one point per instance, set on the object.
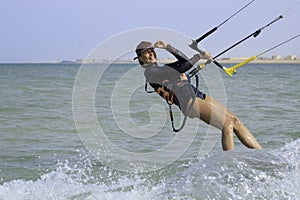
(54, 30)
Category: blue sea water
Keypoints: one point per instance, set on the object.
(43, 156)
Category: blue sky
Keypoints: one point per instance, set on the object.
(53, 30)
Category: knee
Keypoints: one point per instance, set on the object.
(227, 131)
(236, 121)
(228, 124)
(232, 122)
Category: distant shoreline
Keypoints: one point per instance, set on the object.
(222, 61)
(260, 61)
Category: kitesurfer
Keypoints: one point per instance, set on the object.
(171, 83)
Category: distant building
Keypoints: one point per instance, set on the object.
(276, 57)
(78, 61)
(291, 57)
(67, 62)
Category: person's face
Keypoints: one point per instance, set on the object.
(148, 56)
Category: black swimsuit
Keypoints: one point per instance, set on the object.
(167, 80)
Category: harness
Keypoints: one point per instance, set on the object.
(170, 103)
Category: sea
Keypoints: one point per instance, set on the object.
(71, 131)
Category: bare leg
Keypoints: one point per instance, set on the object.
(227, 138)
(215, 114)
(236, 126)
(244, 135)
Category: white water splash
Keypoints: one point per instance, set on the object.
(242, 174)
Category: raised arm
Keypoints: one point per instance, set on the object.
(175, 52)
(184, 63)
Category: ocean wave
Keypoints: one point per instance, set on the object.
(240, 174)
(248, 174)
(75, 183)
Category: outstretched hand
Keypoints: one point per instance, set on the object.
(160, 44)
(206, 55)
